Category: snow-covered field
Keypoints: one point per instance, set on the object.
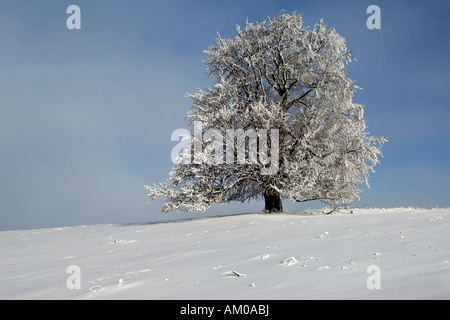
(251, 256)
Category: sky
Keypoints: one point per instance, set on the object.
(86, 115)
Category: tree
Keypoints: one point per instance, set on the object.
(279, 77)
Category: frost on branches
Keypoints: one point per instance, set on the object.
(282, 77)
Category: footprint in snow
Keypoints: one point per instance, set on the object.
(95, 288)
(117, 241)
(323, 268)
(263, 257)
(323, 235)
(93, 291)
(289, 261)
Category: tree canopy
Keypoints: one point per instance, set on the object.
(280, 88)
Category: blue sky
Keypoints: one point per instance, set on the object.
(86, 115)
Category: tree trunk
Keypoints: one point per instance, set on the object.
(273, 202)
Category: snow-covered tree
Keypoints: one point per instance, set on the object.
(280, 88)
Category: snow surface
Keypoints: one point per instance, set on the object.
(250, 256)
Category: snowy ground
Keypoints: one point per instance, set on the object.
(283, 256)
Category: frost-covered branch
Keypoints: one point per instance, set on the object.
(276, 74)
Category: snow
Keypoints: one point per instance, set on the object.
(304, 255)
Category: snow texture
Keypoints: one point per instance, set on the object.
(248, 256)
